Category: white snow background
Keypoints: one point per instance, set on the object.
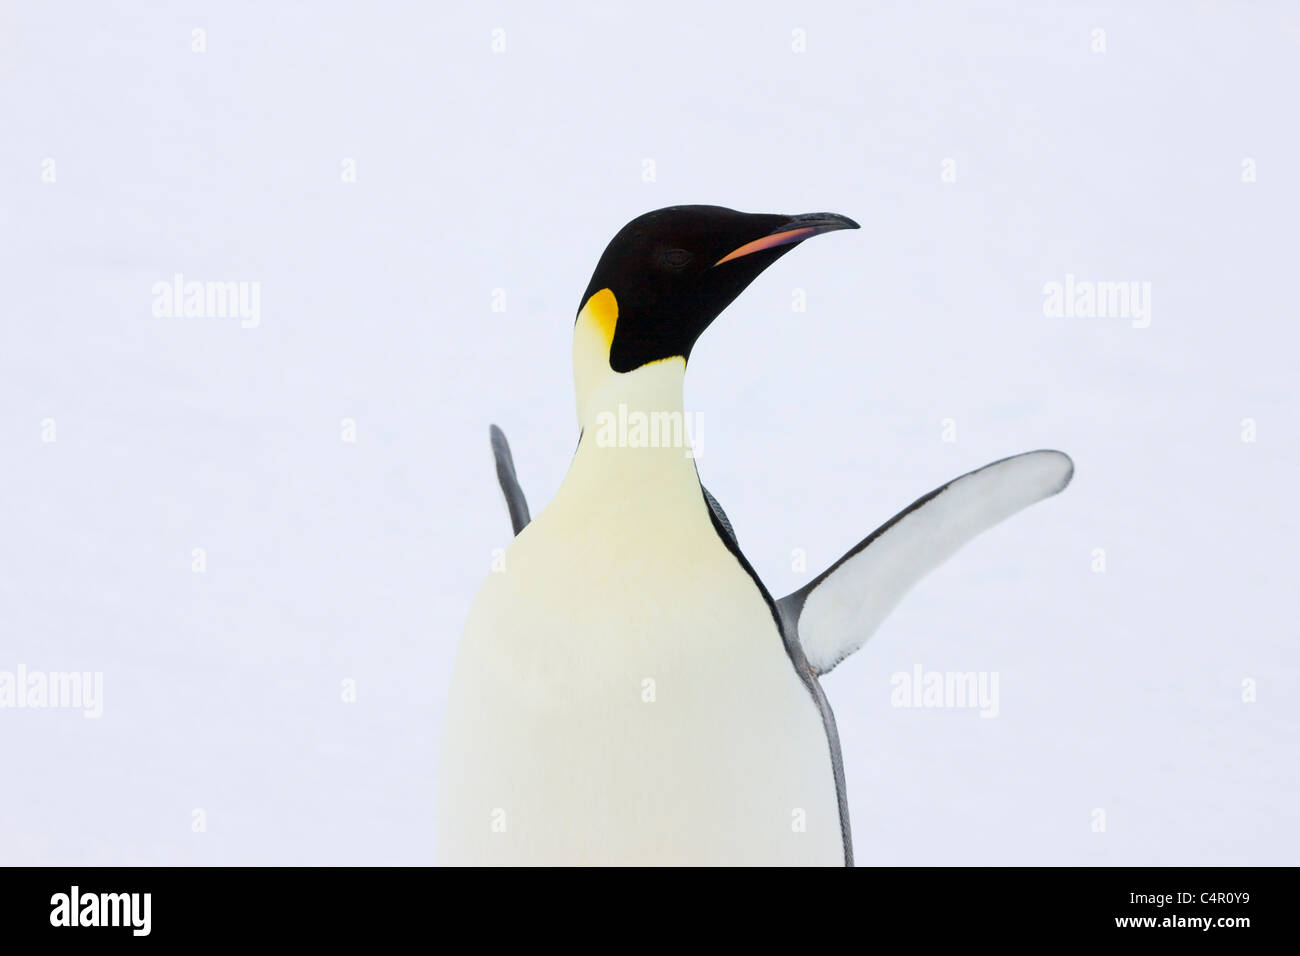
(479, 170)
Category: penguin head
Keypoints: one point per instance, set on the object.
(669, 273)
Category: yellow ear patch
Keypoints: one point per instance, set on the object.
(603, 309)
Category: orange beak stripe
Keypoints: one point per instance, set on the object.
(770, 242)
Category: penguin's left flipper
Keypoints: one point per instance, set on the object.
(515, 503)
(838, 610)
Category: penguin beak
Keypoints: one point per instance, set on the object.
(794, 229)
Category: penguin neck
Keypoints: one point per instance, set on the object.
(635, 451)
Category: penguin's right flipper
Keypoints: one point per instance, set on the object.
(837, 611)
(515, 502)
(720, 518)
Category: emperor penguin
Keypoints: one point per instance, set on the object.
(626, 690)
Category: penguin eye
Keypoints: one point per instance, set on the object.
(677, 257)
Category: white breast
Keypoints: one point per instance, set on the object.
(621, 693)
